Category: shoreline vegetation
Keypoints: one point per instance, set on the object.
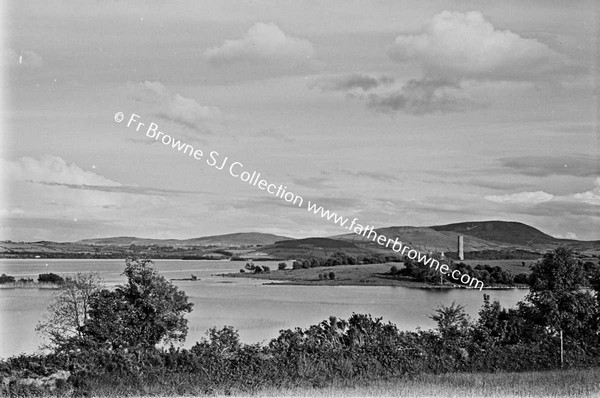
(44, 281)
(30, 285)
(123, 341)
(352, 275)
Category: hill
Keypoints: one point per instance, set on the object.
(503, 232)
(234, 239)
(426, 239)
(316, 247)
(480, 236)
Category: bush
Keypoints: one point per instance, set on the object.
(50, 278)
(332, 275)
(522, 278)
(6, 278)
(266, 269)
(281, 266)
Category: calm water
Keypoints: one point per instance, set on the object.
(257, 311)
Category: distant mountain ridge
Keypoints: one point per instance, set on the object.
(510, 232)
(425, 238)
(234, 239)
(478, 236)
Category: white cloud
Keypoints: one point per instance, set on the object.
(264, 41)
(532, 198)
(590, 197)
(51, 169)
(177, 108)
(458, 45)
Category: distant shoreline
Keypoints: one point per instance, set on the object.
(351, 275)
(29, 285)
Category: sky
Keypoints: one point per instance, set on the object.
(394, 112)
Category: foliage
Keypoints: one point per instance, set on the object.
(69, 310)
(147, 310)
(452, 320)
(50, 278)
(6, 278)
(341, 258)
(134, 317)
(556, 300)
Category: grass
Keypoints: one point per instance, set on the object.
(351, 275)
(568, 383)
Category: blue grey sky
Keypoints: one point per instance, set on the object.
(395, 112)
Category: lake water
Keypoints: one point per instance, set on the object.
(258, 311)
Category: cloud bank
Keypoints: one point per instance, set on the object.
(532, 198)
(452, 50)
(52, 169)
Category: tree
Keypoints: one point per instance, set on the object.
(69, 310)
(147, 310)
(558, 271)
(452, 320)
(6, 278)
(558, 303)
(50, 278)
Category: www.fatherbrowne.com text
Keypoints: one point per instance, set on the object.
(237, 170)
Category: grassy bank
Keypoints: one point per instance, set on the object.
(568, 383)
(346, 275)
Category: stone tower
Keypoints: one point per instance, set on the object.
(461, 247)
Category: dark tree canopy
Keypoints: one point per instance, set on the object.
(558, 271)
(556, 298)
(147, 310)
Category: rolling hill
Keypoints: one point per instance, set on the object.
(316, 247)
(502, 232)
(426, 239)
(479, 236)
(235, 239)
